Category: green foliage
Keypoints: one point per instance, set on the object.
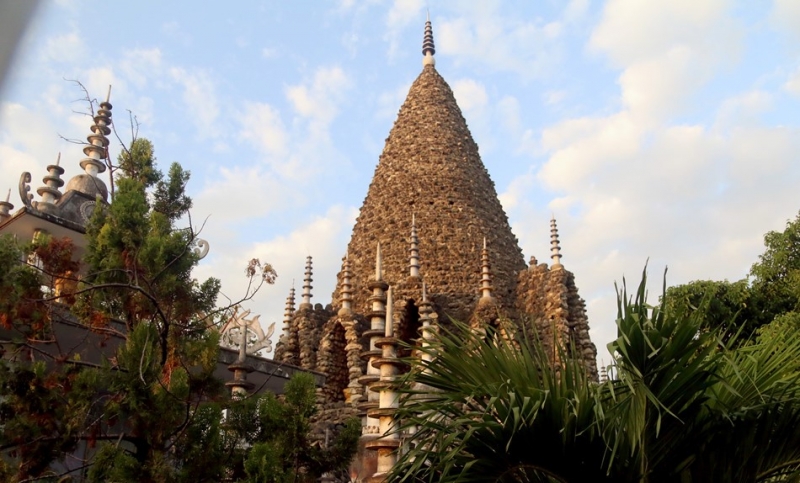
(776, 275)
(138, 408)
(743, 306)
(729, 306)
(277, 431)
(681, 405)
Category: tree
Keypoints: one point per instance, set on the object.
(277, 435)
(126, 419)
(681, 405)
(776, 275)
(729, 306)
(772, 289)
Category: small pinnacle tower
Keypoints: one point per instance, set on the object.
(346, 290)
(96, 151)
(306, 303)
(555, 248)
(52, 182)
(288, 312)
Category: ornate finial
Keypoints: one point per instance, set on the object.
(486, 276)
(413, 258)
(307, 284)
(555, 248)
(98, 142)
(246, 334)
(389, 314)
(6, 207)
(427, 44)
(347, 289)
(378, 264)
(49, 192)
(96, 151)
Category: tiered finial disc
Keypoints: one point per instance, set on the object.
(428, 48)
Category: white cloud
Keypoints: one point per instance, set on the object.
(484, 36)
(554, 97)
(317, 101)
(792, 85)
(174, 30)
(389, 102)
(199, 98)
(398, 18)
(141, 65)
(262, 126)
(26, 149)
(576, 10)
(785, 15)
(509, 111)
(667, 50)
(69, 48)
(631, 31)
(238, 193)
(744, 108)
(470, 94)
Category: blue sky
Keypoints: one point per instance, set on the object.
(665, 130)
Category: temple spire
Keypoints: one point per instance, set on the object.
(413, 259)
(555, 248)
(96, 151)
(288, 312)
(428, 48)
(347, 288)
(98, 142)
(306, 303)
(52, 182)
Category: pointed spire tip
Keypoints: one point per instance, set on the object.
(428, 48)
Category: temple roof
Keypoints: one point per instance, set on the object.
(430, 168)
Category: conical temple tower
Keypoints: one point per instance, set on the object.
(431, 169)
(431, 215)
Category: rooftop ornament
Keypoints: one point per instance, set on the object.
(239, 328)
